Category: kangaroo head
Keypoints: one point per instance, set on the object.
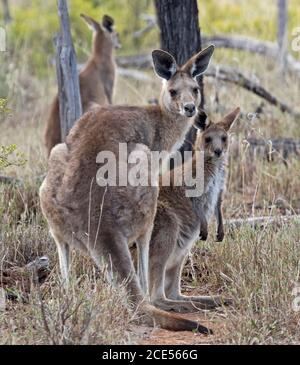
(214, 140)
(180, 91)
(105, 35)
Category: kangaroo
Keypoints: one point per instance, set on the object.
(96, 79)
(179, 219)
(103, 221)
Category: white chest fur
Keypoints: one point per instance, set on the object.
(214, 186)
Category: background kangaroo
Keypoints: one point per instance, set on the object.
(104, 221)
(179, 219)
(96, 78)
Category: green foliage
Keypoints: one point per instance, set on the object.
(3, 106)
(4, 110)
(9, 156)
(254, 18)
(36, 24)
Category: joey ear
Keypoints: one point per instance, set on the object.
(227, 122)
(93, 24)
(199, 63)
(108, 22)
(164, 64)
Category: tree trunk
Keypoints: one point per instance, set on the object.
(6, 12)
(70, 108)
(282, 31)
(180, 35)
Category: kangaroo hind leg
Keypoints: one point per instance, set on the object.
(63, 250)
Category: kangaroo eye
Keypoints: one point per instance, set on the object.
(224, 139)
(195, 90)
(173, 93)
(207, 139)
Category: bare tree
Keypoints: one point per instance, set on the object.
(70, 107)
(282, 30)
(6, 12)
(180, 35)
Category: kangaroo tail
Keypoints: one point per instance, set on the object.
(172, 321)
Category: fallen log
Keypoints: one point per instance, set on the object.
(18, 280)
(133, 74)
(268, 148)
(260, 222)
(264, 48)
(10, 180)
(142, 61)
(231, 75)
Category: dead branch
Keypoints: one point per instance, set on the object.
(66, 68)
(151, 23)
(267, 49)
(133, 74)
(22, 278)
(269, 149)
(231, 75)
(261, 222)
(142, 61)
(10, 180)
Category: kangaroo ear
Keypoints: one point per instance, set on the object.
(227, 122)
(200, 62)
(108, 23)
(93, 24)
(164, 64)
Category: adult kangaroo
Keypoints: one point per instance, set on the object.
(104, 220)
(96, 79)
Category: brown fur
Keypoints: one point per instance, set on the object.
(96, 79)
(104, 221)
(180, 219)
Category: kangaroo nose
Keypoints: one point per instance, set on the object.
(190, 109)
(218, 152)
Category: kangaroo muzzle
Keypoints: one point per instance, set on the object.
(189, 109)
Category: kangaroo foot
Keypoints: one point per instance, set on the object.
(206, 302)
(171, 321)
(177, 306)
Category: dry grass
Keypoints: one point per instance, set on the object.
(258, 268)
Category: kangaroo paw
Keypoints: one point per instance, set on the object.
(220, 236)
(203, 235)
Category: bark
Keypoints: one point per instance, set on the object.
(180, 35)
(6, 12)
(282, 31)
(66, 68)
